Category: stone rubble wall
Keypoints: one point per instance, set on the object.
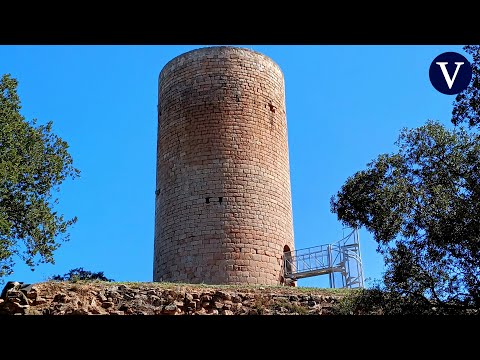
(102, 298)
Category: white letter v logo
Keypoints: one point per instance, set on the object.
(445, 72)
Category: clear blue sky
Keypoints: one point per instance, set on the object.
(345, 106)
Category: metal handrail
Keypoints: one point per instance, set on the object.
(342, 256)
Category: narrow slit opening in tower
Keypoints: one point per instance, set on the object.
(220, 199)
(207, 200)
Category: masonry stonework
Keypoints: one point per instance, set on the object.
(223, 211)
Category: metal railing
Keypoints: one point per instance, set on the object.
(341, 257)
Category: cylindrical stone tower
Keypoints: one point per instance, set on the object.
(223, 212)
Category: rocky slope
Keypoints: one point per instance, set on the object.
(104, 298)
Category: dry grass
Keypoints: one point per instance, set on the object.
(189, 287)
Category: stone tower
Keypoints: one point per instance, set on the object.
(223, 212)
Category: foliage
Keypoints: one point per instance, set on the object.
(33, 163)
(422, 205)
(378, 301)
(466, 107)
(81, 274)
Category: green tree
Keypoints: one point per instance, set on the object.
(33, 163)
(422, 204)
(81, 274)
(466, 108)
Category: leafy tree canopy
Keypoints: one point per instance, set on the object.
(422, 204)
(33, 163)
(466, 109)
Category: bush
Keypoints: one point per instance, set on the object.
(377, 301)
(81, 274)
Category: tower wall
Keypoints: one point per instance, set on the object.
(223, 211)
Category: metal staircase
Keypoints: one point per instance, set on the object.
(340, 258)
